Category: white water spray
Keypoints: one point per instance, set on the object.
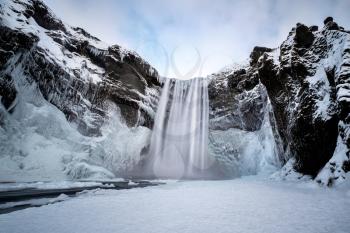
(179, 143)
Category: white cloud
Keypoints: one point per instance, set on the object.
(222, 31)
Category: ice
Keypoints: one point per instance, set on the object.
(240, 152)
(249, 205)
(38, 143)
(47, 185)
(34, 202)
(120, 148)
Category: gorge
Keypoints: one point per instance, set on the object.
(284, 108)
(94, 139)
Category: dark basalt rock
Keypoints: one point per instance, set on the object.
(256, 54)
(7, 91)
(13, 41)
(124, 82)
(303, 36)
(85, 33)
(330, 24)
(45, 18)
(241, 102)
(313, 28)
(311, 140)
(327, 20)
(346, 166)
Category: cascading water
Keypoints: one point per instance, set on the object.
(179, 142)
(183, 147)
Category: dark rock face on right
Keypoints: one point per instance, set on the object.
(308, 86)
(300, 91)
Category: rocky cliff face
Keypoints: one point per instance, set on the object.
(74, 71)
(46, 62)
(72, 106)
(306, 82)
(241, 120)
(308, 88)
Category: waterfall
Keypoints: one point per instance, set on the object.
(179, 142)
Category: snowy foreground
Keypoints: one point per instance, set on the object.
(241, 205)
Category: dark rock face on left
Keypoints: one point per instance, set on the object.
(98, 73)
(43, 59)
(80, 72)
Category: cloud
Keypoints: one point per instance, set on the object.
(168, 32)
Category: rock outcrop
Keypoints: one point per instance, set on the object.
(307, 82)
(308, 89)
(48, 68)
(241, 122)
(74, 70)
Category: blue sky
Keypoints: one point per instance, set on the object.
(186, 38)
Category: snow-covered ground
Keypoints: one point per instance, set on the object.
(242, 205)
(50, 185)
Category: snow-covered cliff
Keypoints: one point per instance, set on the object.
(72, 106)
(305, 83)
(75, 107)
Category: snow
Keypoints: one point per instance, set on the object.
(275, 54)
(288, 173)
(332, 173)
(320, 84)
(243, 205)
(53, 150)
(99, 45)
(220, 77)
(46, 185)
(53, 51)
(39, 144)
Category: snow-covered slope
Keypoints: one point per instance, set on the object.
(70, 103)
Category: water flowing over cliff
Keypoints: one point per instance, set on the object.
(74, 107)
(179, 142)
(185, 143)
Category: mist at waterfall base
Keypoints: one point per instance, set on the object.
(179, 142)
(182, 147)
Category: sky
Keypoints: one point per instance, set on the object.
(190, 38)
